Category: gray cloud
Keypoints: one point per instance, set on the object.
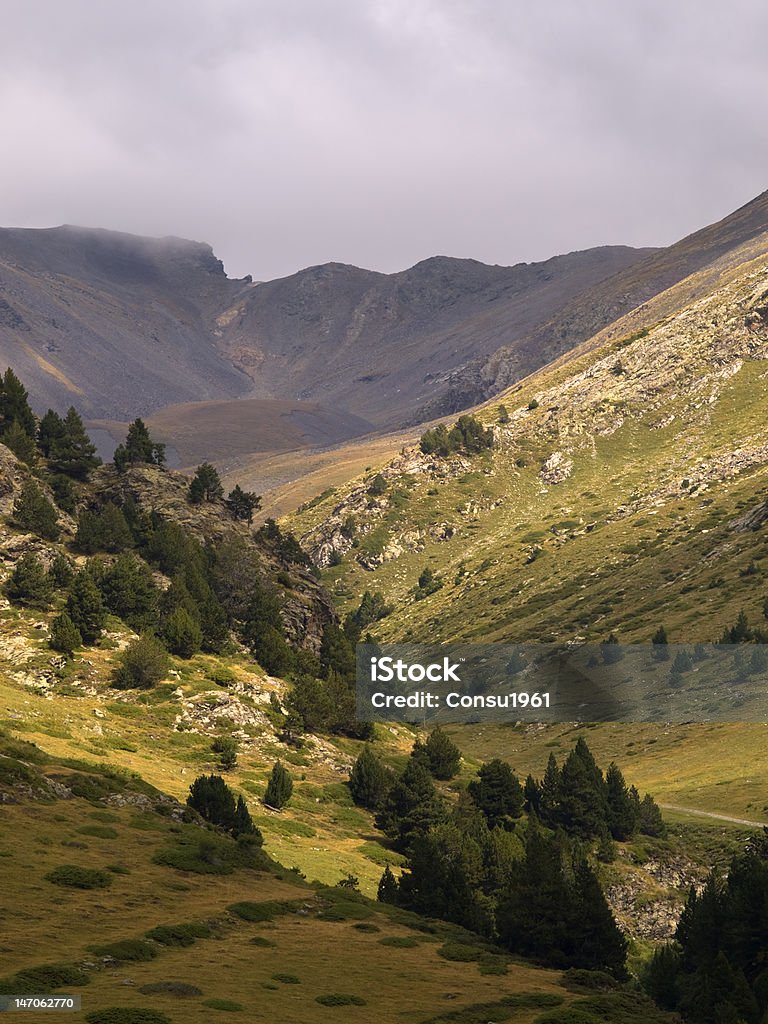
(379, 132)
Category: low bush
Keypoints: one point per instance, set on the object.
(177, 989)
(578, 980)
(44, 978)
(259, 940)
(126, 1015)
(100, 831)
(74, 877)
(248, 910)
(224, 1004)
(399, 941)
(460, 952)
(133, 950)
(340, 999)
(286, 979)
(210, 855)
(365, 926)
(179, 934)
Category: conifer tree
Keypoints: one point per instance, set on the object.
(33, 512)
(242, 823)
(411, 807)
(388, 887)
(129, 591)
(86, 608)
(279, 788)
(63, 493)
(143, 664)
(103, 529)
(50, 428)
(242, 504)
(14, 405)
(498, 793)
(622, 816)
(139, 447)
(599, 943)
(60, 571)
(532, 795)
(443, 756)
(205, 485)
(650, 821)
(369, 780)
(550, 789)
(71, 451)
(28, 583)
(181, 633)
(212, 798)
(65, 636)
(20, 443)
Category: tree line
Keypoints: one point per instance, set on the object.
(510, 859)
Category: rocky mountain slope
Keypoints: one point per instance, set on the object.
(625, 486)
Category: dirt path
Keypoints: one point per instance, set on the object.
(711, 814)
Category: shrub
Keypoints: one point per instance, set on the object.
(126, 1015)
(133, 950)
(224, 1004)
(100, 831)
(179, 934)
(178, 989)
(248, 910)
(340, 999)
(578, 980)
(365, 926)
(43, 978)
(226, 748)
(399, 941)
(211, 855)
(259, 940)
(71, 876)
(286, 979)
(143, 664)
(460, 952)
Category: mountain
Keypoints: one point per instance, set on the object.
(383, 345)
(125, 326)
(625, 489)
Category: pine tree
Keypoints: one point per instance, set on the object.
(139, 447)
(598, 941)
(582, 804)
(142, 665)
(660, 643)
(650, 821)
(388, 887)
(369, 780)
(51, 427)
(498, 793)
(242, 504)
(33, 512)
(63, 493)
(28, 583)
(622, 816)
(65, 636)
(443, 756)
(20, 443)
(129, 591)
(279, 788)
(103, 529)
(60, 571)
(242, 823)
(411, 807)
(213, 800)
(14, 405)
(86, 608)
(181, 633)
(550, 790)
(71, 451)
(205, 485)
(532, 795)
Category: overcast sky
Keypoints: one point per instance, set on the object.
(379, 132)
